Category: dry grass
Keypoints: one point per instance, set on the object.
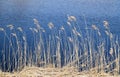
(54, 72)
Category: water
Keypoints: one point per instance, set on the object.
(21, 13)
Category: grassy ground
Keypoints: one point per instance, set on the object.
(54, 72)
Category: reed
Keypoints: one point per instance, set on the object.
(64, 47)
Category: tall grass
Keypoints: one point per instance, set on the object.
(86, 50)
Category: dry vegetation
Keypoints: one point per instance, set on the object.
(54, 72)
(69, 51)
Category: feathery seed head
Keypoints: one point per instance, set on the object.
(62, 28)
(10, 26)
(1, 29)
(50, 25)
(36, 23)
(20, 29)
(95, 27)
(106, 24)
(71, 18)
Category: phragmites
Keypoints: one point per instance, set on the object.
(42, 29)
(106, 24)
(109, 34)
(85, 53)
(70, 39)
(69, 24)
(20, 29)
(35, 30)
(11, 27)
(71, 18)
(1, 29)
(58, 37)
(80, 46)
(76, 32)
(50, 25)
(94, 27)
(13, 34)
(24, 38)
(36, 23)
(39, 47)
(107, 31)
(99, 33)
(62, 28)
(31, 28)
(111, 51)
(97, 29)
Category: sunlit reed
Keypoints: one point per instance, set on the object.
(85, 50)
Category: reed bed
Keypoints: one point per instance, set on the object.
(91, 50)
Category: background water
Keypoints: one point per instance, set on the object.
(22, 12)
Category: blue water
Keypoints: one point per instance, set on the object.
(22, 12)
